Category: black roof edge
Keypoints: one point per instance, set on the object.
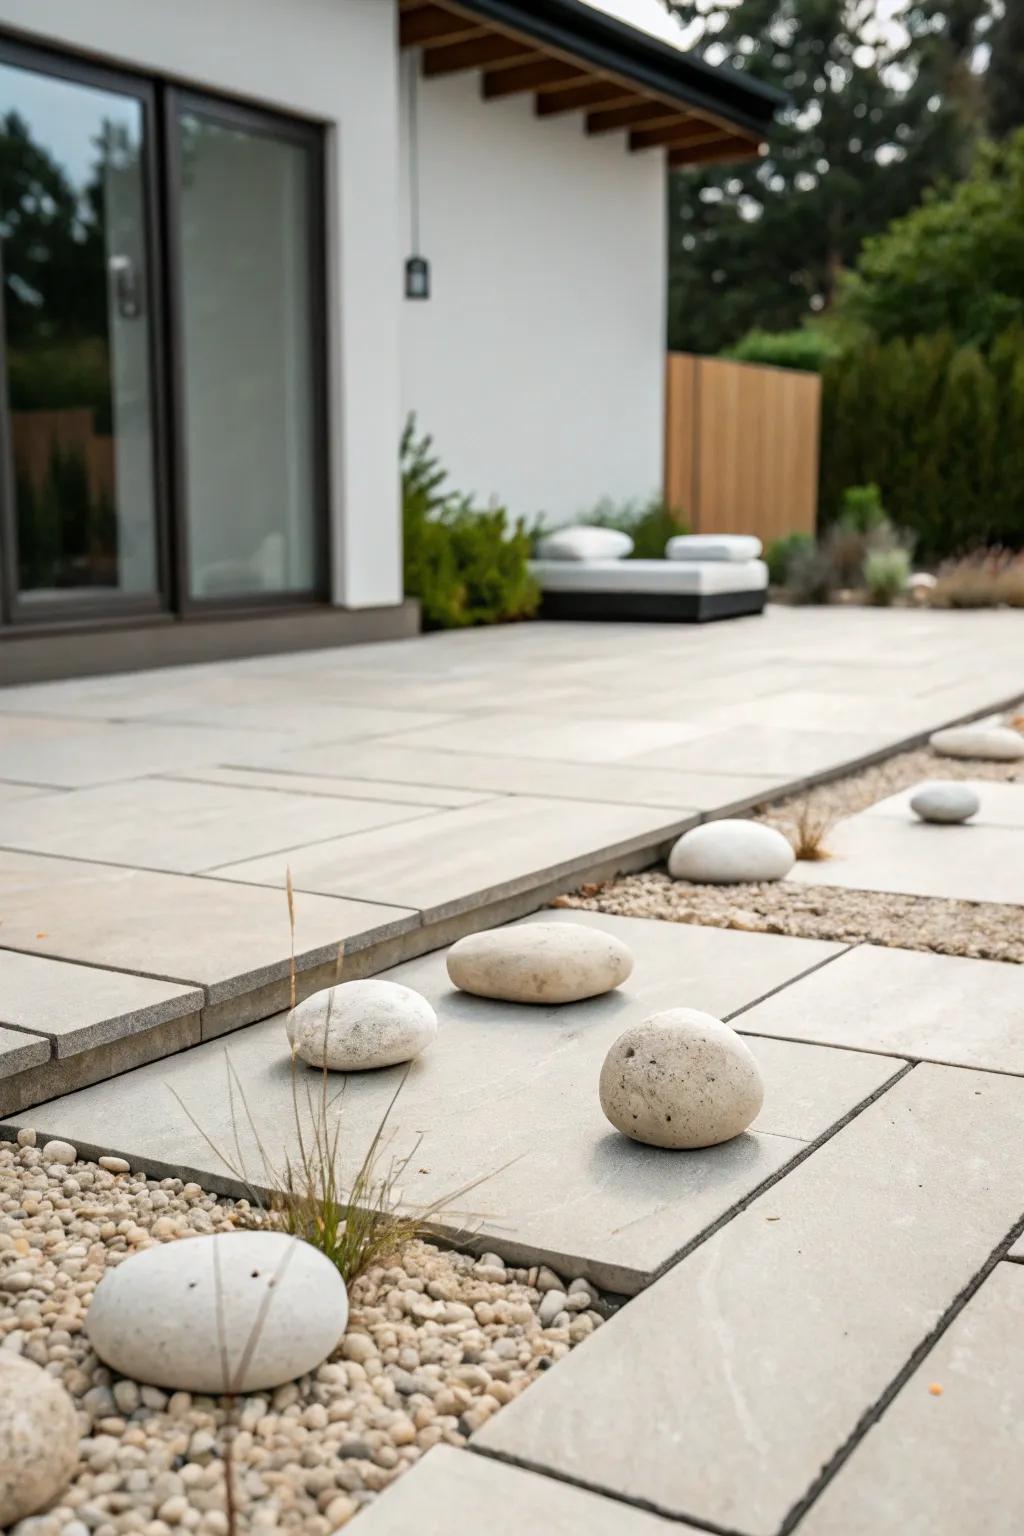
(608, 43)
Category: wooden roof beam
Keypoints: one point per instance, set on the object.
(478, 53)
(640, 111)
(592, 93)
(680, 134)
(711, 154)
(433, 24)
(532, 76)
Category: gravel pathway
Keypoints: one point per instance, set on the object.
(437, 1342)
(983, 930)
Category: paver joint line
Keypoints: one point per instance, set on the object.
(774, 991)
(873, 1414)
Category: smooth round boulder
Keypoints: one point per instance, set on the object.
(680, 1079)
(539, 963)
(38, 1438)
(731, 852)
(228, 1312)
(359, 1025)
(945, 801)
(988, 743)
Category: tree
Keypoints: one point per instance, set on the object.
(955, 263)
(1004, 80)
(877, 113)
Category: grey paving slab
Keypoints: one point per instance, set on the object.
(452, 1491)
(510, 1092)
(445, 862)
(10, 793)
(945, 1464)
(721, 1393)
(228, 938)
(483, 772)
(1017, 1251)
(960, 863)
(789, 753)
(297, 783)
(516, 733)
(19, 1051)
(1002, 805)
(968, 1013)
(288, 712)
(78, 1007)
(183, 826)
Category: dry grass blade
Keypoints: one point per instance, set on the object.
(808, 831)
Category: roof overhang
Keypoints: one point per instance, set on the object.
(574, 58)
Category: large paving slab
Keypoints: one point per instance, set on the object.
(1002, 805)
(945, 1464)
(516, 733)
(915, 858)
(448, 862)
(452, 1492)
(776, 750)
(77, 1007)
(903, 1002)
(289, 711)
(1017, 1251)
(486, 773)
(228, 938)
(723, 1391)
(185, 827)
(297, 783)
(510, 1092)
(19, 1051)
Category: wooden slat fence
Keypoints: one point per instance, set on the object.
(741, 446)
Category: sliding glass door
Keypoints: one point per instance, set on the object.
(248, 286)
(161, 348)
(78, 318)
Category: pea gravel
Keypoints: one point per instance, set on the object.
(437, 1342)
(982, 930)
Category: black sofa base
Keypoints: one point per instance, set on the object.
(651, 607)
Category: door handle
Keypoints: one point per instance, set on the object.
(126, 284)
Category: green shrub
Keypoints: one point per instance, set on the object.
(807, 348)
(780, 553)
(649, 524)
(885, 574)
(810, 577)
(467, 565)
(862, 508)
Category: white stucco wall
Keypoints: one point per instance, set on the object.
(538, 362)
(333, 61)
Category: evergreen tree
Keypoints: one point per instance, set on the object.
(1004, 80)
(878, 112)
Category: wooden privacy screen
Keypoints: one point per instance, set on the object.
(741, 446)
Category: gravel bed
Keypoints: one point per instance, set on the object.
(437, 1342)
(983, 930)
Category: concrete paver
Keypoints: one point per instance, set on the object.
(720, 1393)
(960, 863)
(20, 1050)
(346, 788)
(1002, 805)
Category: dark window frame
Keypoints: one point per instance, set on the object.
(161, 100)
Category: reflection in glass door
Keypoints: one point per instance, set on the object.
(78, 318)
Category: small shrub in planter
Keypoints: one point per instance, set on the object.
(780, 553)
(885, 574)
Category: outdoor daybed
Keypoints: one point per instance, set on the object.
(702, 578)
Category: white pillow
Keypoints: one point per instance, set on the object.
(585, 543)
(713, 546)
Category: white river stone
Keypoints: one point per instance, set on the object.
(232, 1311)
(989, 743)
(680, 1079)
(729, 852)
(945, 802)
(362, 1024)
(539, 963)
(38, 1438)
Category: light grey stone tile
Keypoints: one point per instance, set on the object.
(452, 1491)
(945, 1464)
(1002, 805)
(10, 793)
(185, 827)
(509, 1093)
(967, 1013)
(295, 782)
(789, 753)
(389, 760)
(1017, 1251)
(80, 1006)
(19, 1051)
(517, 733)
(960, 863)
(66, 1074)
(446, 861)
(228, 938)
(288, 713)
(758, 1355)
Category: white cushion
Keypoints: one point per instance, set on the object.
(713, 546)
(585, 543)
(701, 578)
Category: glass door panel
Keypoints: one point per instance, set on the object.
(248, 203)
(77, 328)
